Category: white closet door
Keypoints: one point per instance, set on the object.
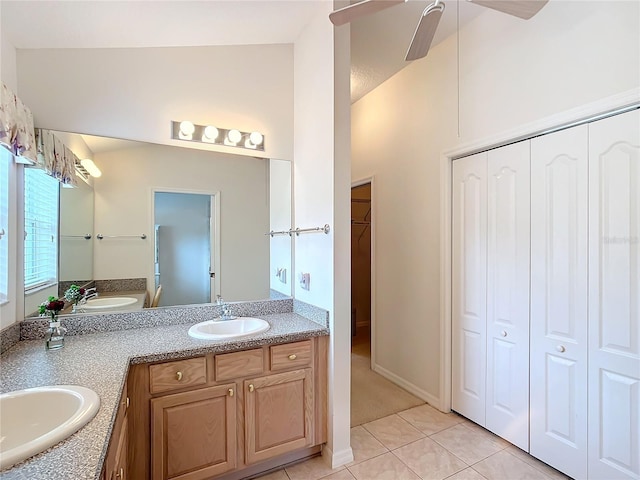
(507, 409)
(614, 297)
(559, 167)
(469, 286)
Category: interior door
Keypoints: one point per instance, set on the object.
(559, 172)
(507, 407)
(469, 287)
(614, 297)
(183, 247)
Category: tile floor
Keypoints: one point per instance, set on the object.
(423, 443)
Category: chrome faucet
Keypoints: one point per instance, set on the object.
(90, 293)
(226, 310)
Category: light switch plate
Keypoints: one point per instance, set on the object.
(305, 281)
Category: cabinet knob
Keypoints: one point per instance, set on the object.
(251, 387)
(293, 356)
(560, 348)
(503, 333)
(179, 376)
(231, 392)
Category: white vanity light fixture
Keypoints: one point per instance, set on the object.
(210, 134)
(233, 137)
(91, 167)
(254, 140)
(186, 130)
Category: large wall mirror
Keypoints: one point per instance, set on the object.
(193, 221)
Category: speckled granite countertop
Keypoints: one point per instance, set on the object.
(100, 361)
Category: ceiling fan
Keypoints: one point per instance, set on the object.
(430, 17)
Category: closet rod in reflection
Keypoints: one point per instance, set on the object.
(101, 236)
(358, 222)
(86, 236)
(281, 232)
(324, 229)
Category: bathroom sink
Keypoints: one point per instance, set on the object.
(226, 329)
(104, 303)
(35, 419)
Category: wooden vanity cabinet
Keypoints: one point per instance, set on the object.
(193, 434)
(115, 467)
(217, 415)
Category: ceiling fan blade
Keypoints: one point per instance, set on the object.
(520, 8)
(366, 7)
(426, 29)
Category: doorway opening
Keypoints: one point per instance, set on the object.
(185, 247)
(372, 395)
(361, 271)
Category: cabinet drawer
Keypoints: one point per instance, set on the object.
(174, 375)
(291, 355)
(239, 364)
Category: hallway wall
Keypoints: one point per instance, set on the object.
(513, 72)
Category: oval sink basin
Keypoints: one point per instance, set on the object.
(104, 303)
(225, 329)
(35, 419)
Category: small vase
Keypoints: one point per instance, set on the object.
(55, 335)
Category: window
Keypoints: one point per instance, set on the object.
(5, 161)
(41, 194)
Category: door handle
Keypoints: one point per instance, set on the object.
(212, 274)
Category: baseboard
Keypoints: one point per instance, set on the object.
(337, 459)
(409, 387)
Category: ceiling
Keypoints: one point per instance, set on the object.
(379, 42)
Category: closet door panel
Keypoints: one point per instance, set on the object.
(508, 180)
(469, 286)
(614, 297)
(559, 167)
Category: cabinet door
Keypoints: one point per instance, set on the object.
(559, 167)
(614, 297)
(278, 414)
(193, 434)
(507, 390)
(469, 289)
(120, 471)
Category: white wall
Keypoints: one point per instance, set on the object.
(280, 197)
(10, 311)
(318, 195)
(8, 73)
(135, 93)
(512, 72)
(123, 206)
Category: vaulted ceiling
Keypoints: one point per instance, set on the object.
(379, 42)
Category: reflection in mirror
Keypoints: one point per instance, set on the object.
(76, 234)
(146, 231)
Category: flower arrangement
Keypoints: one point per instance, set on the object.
(74, 294)
(51, 308)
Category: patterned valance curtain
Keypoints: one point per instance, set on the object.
(16, 125)
(54, 157)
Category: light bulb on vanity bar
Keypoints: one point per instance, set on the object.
(91, 167)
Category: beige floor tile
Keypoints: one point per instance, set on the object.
(393, 431)
(548, 470)
(429, 460)
(383, 467)
(467, 474)
(311, 469)
(504, 466)
(429, 420)
(341, 475)
(485, 433)
(468, 444)
(365, 445)
(277, 475)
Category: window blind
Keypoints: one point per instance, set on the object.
(41, 196)
(5, 161)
